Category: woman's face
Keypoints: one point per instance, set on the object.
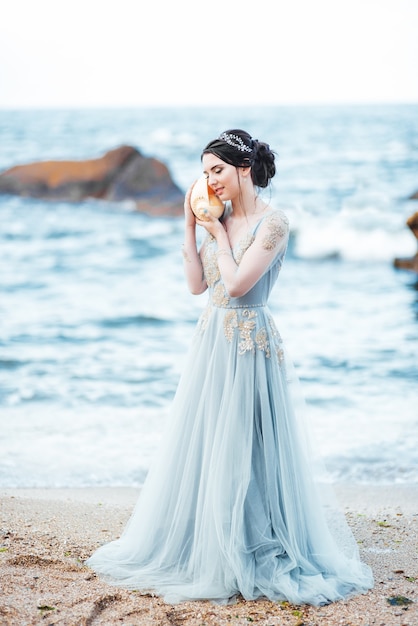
(222, 177)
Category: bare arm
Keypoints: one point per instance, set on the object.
(271, 238)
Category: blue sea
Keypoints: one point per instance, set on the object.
(96, 320)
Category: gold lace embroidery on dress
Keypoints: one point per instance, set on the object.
(242, 247)
(278, 342)
(280, 355)
(204, 318)
(220, 297)
(262, 342)
(245, 321)
(230, 324)
(277, 227)
(246, 326)
(210, 263)
(276, 335)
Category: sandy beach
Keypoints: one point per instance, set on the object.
(46, 534)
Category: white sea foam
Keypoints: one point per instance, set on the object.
(353, 235)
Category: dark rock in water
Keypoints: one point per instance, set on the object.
(412, 262)
(414, 196)
(120, 174)
(148, 181)
(412, 222)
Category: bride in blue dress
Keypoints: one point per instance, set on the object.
(231, 505)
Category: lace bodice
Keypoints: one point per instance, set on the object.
(268, 240)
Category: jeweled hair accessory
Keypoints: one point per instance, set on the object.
(235, 142)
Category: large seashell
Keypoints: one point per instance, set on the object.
(203, 198)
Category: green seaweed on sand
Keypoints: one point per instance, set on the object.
(398, 601)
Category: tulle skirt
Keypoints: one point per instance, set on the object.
(231, 505)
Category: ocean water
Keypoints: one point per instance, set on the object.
(96, 320)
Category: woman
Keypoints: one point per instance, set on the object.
(229, 506)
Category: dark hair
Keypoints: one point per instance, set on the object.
(237, 148)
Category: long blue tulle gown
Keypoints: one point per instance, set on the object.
(230, 505)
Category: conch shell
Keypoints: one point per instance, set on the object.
(203, 198)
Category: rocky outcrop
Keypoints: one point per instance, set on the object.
(120, 174)
(412, 222)
(412, 262)
(414, 196)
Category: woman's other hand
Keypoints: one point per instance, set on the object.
(188, 213)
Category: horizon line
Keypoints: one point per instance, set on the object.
(110, 107)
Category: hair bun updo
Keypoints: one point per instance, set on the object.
(237, 148)
(263, 167)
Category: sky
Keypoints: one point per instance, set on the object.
(95, 53)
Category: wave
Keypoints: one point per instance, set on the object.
(28, 285)
(133, 320)
(373, 469)
(11, 364)
(374, 237)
